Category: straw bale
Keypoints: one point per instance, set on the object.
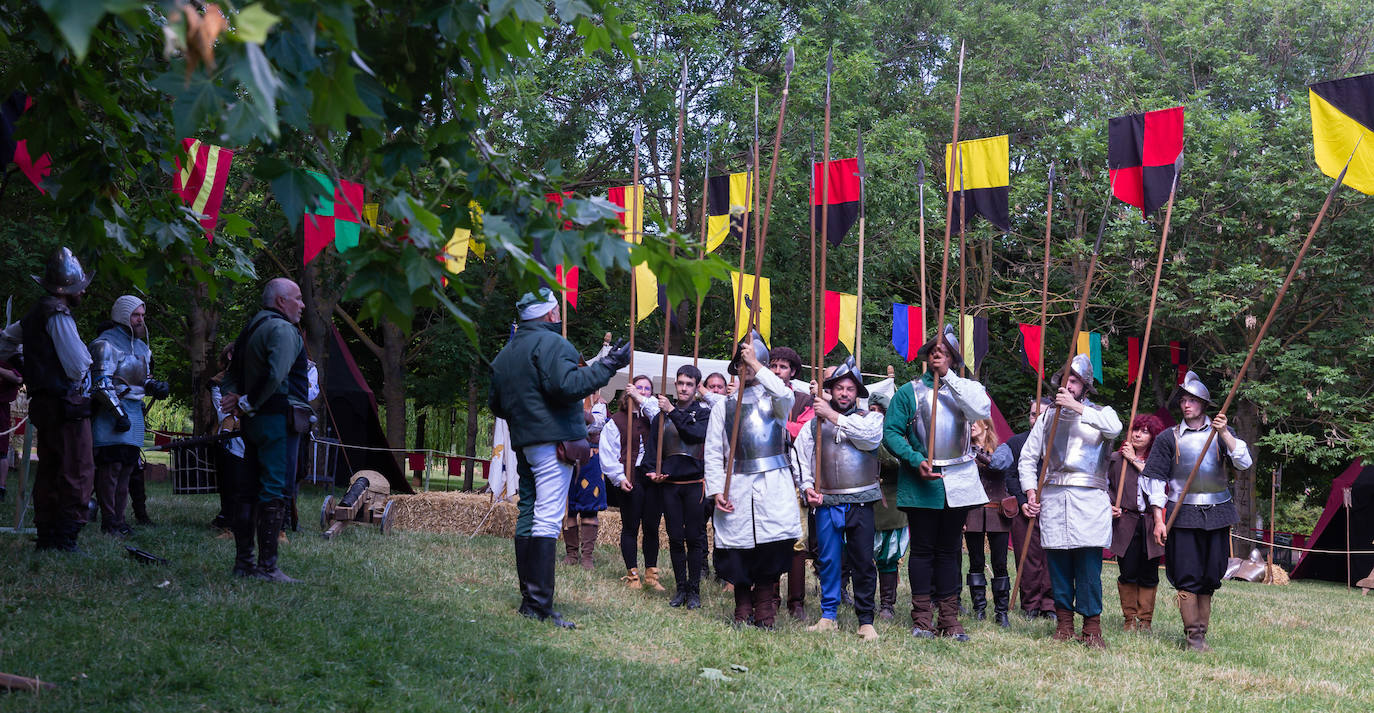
(1276, 575)
(458, 512)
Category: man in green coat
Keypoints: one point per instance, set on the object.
(537, 386)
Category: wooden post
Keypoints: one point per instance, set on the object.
(954, 164)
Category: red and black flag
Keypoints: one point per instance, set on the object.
(1343, 129)
(842, 175)
(17, 150)
(1141, 153)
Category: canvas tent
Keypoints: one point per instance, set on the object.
(352, 415)
(1329, 534)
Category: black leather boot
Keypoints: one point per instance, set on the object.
(1001, 600)
(978, 594)
(887, 594)
(543, 553)
(679, 597)
(271, 516)
(522, 574)
(242, 526)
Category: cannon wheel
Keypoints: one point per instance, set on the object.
(325, 511)
(385, 522)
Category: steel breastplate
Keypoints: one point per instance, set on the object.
(673, 445)
(844, 468)
(1209, 485)
(762, 444)
(1078, 456)
(952, 443)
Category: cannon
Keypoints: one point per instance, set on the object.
(365, 501)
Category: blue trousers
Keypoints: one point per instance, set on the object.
(845, 532)
(1076, 579)
(270, 455)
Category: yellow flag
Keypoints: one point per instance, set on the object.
(765, 323)
(631, 200)
(728, 198)
(1343, 122)
(459, 243)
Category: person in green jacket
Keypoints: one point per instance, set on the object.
(537, 386)
(937, 480)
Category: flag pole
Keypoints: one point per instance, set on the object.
(750, 188)
(1063, 380)
(633, 204)
(963, 273)
(862, 173)
(1149, 324)
(701, 249)
(672, 250)
(811, 299)
(1264, 328)
(817, 370)
(949, 215)
(921, 191)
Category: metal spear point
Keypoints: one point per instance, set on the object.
(637, 137)
(791, 61)
(862, 173)
(829, 71)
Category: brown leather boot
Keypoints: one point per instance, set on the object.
(651, 579)
(1204, 615)
(572, 542)
(1063, 624)
(588, 541)
(887, 595)
(1130, 604)
(744, 606)
(948, 624)
(765, 604)
(1092, 633)
(922, 614)
(1194, 631)
(631, 580)
(1145, 612)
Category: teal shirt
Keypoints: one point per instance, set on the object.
(899, 436)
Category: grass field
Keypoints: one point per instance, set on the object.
(421, 622)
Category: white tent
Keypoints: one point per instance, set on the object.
(651, 364)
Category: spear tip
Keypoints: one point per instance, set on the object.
(791, 60)
(920, 173)
(637, 136)
(1051, 174)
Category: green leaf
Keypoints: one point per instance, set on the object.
(255, 73)
(253, 23)
(336, 96)
(76, 20)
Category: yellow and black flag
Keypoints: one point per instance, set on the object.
(1342, 117)
(986, 180)
(728, 198)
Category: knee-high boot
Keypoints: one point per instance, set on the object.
(1001, 600)
(978, 594)
(887, 594)
(1145, 608)
(588, 543)
(242, 524)
(572, 543)
(271, 516)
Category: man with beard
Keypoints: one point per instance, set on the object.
(1196, 551)
(121, 373)
(757, 519)
(843, 489)
(1075, 510)
(684, 421)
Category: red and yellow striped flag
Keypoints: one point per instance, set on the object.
(200, 183)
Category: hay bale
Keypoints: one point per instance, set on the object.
(1276, 575)
(460, 513)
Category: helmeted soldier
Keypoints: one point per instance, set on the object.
(121, 376)
(937, 480)
(1197, 550)
(757, 518)
(56, 370)
(843, 488)
(1075, 510)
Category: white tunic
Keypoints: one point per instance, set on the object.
(1070, 516)
(765, 503)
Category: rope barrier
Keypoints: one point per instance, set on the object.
(16, 427)
(1303, 549)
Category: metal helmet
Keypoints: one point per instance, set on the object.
(1194, 386)
(951, 342)
(63, 274)
(1082, 367)
(760, 352)
(848, 370)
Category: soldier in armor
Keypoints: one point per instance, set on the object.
(937, 480)
(121, 376)
(757, 519)
(1075, 510)
(1197, 549)
(843, 489)
(680, 472)
(56, 372)
(641, 509)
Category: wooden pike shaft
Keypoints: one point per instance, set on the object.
(1045, 286)
(701, 252)
(751, 188)
(635, 208)
(811, 299)
(668, 308)
(817, 368)
(949, 216)
(1145, 340)
(1264, 329)
(923, 261)
(963, 259)
(859, 299)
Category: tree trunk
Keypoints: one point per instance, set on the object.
(317, 320)
(470, 447)
(1245, 419)
(394, 387)
(203, 324)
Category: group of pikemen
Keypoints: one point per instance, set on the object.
(892, 472)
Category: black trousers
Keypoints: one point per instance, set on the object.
(641, 509)
(1136, 567)
(997, 543)
(686, 520)
(936, 556)
(1195, 560)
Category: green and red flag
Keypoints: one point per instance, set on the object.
(1342, 124)
(201, 182)
(841, 177)
(1142, 150)
(337, 218)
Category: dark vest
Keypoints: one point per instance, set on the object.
(636, 439)
(43, 372)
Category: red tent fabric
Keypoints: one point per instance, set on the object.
(1329, 534)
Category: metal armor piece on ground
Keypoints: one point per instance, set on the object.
(1078, 456)
(1209, 485)
(673, 445)
(953, 443)
(844, 468)
(762, 442)
(365, 501)
(1252, 569)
